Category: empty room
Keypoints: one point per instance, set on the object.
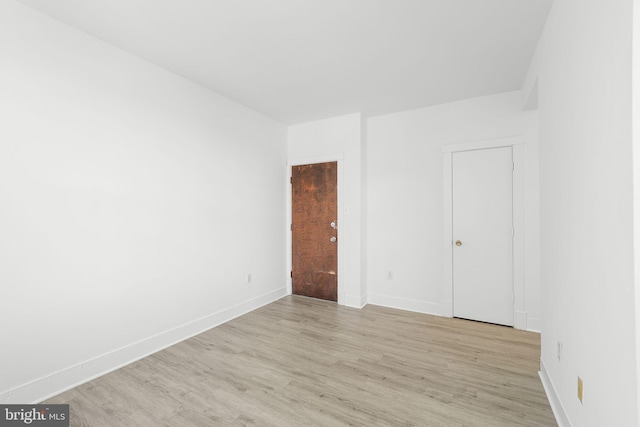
(319, 212)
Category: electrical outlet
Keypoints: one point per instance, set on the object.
(389, 275)
(580, 389)
(249, 278)
(559, 351)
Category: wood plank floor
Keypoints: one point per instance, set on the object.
(302, 362)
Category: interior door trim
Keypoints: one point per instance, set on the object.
(339, 158)
(517, 144)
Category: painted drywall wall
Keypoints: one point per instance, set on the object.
(586, 189)
(364, 218)
(405, 197)
(133, 205)
(636, 180)
(338, 138)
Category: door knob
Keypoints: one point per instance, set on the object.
(333, 225)
(333, 240)
(458, 243)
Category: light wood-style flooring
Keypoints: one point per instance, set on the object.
(304, 362)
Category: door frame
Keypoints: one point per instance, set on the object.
(339, 158)
(517, 145)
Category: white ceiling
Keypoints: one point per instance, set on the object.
(301, 60)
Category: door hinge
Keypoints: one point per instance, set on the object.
(291, 180)
(513, 231)
(513, 166)
(291, 274)
(291, 227)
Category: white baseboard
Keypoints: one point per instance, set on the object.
(68, 378)
(554, 400)
(364, 300)
(354, 301)
(534, 324)
(406, 304)
(520, 320)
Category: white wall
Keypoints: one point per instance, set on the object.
(584, 82)
(636, 180)
(133, 202)
(338, 138)
(405, 197)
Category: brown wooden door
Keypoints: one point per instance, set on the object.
(314, 230)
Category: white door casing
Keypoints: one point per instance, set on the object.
(517, 145)
(297, 161)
